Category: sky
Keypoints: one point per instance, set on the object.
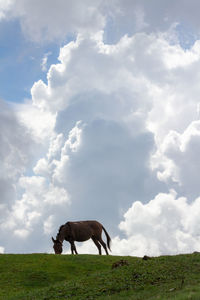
(100, 120)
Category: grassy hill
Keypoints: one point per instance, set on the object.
(48, 276)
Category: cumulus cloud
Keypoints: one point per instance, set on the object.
(40, 123)
(48, 20)
(165, 225)
(115, 124)
(32, 217)
(104, 153)
(15, 152)
(48, 225)
(178, 159)
(52, 20)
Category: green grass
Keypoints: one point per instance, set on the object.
(48, 276)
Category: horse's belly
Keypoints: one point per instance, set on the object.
(82, 234)
(78, 239)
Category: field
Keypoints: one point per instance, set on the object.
(49, 276)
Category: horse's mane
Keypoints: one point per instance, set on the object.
(60, 230)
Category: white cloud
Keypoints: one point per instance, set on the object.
(5, 6)
(48, 225)
(87, 247)
(178, 57)
(22, 233)
(50, 20)
(2, 250)
(16, 154)
(165, 225)
(39, 191)
(44, 61)
(40, 122)
(178, 159)
(15, 144)
(74, 139)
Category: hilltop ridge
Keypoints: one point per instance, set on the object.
(49, 276)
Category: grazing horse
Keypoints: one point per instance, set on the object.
(81, 231)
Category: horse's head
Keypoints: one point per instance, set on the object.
(57, 246)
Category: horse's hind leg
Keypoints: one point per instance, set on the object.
(103, 244)
(97, 244)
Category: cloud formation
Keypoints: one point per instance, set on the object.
(52, 20)
(164, 225)
(15, 156)
(115, 124)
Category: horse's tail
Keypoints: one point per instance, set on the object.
(108, 238)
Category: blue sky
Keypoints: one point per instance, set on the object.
(21, 61)
(103, 123)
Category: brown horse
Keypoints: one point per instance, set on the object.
(81, 231)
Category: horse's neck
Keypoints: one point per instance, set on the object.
(60, 236)
(65, 231)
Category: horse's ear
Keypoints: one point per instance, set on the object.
(53, 240)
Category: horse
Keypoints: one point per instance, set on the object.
(81, 231)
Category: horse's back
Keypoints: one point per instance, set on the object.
(90, 223)
(84, 230)
(94, 225)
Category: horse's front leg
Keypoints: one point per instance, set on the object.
(73, 248)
